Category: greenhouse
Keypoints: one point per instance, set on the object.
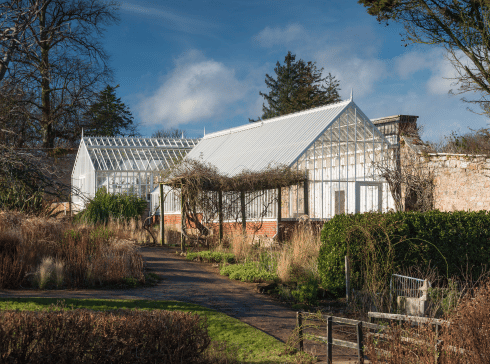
(337, 147)
(123, 165)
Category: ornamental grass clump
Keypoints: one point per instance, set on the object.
(105, 206)
(49, 253)
(298, 260)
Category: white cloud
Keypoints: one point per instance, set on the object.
(356, 73)
(196, 90)
(169, 19)
(409, 63)
(435, 61)
(270, 37)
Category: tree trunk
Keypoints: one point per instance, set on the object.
(46, 122)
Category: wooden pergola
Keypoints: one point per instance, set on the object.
(204, 178)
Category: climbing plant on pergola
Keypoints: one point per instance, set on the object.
(195, 180)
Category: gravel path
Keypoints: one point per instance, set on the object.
(201, 284)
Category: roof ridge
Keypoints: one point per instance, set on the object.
(104, 137)
(274, 119)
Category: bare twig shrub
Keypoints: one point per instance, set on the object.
(411, 183)
(474, 142)
(85, 336)
(464, 339)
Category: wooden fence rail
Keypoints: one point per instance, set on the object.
(359, 325)
(358, 345)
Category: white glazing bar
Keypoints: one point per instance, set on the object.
(372, 173)
(297, 190)
(313, 213)
(331, 171)
(340, 159)
(323, 160)
(347, 165)
(355, 152)
(364, 164)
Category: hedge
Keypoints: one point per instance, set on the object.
(451, 242)
(85, 336)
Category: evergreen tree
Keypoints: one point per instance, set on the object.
(298, 85)
(109, 116)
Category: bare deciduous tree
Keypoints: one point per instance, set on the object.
(15, 18)
(64, 65)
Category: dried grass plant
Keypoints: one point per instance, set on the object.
(299, 255)
(241, 246)
(81, 255)
(44, 272)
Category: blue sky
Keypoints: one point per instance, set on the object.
(195, 64)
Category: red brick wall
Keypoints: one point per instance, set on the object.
(266, 228)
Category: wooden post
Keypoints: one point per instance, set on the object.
(299, 324)
(329, 339)
(182, 219)
(438, 346)
(220, 216)
(360, 343)
(244, 219)
(279, 214)
(162, 216)
(347, 278)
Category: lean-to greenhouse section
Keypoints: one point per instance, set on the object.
(123, 165)
(342, 169)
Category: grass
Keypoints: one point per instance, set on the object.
(250, 345)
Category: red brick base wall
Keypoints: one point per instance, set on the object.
(265, 228)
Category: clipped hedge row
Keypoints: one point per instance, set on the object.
(85, 336)
(451, 242)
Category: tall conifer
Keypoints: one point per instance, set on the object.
(298, 85)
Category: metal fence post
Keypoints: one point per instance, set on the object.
(329, 339)
(347, 278)
(162, 216)
(299, 324)
(360, 343)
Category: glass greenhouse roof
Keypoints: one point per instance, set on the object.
(136, 154)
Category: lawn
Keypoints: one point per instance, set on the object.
(251, 345)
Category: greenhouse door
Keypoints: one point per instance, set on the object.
(369, 196)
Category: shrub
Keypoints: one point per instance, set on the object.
(248, 272)
(448, 241)
(306, 292)
(105, 206)
(85, 336)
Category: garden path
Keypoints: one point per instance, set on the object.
(201, 284)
